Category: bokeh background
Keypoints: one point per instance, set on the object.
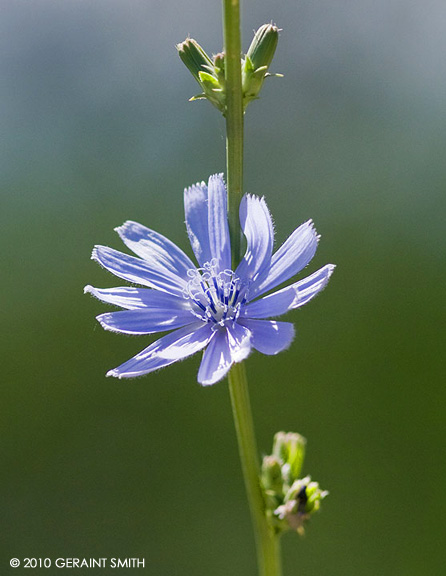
(96, 128)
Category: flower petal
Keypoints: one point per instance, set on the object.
(257, 226)
(146, 321)
(294, 254)
(138, 271)
(309, 287)
(135, 298)
(290, 297)
(270, 306)
(196, 211)
(217, 359)
(220, 245)
(268, 336)
(239, 339)
(167, 350)
(154, 248)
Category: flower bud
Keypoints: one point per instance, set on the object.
(194, 57)
(208, 74)
(257, 61)
(289, 501)
(263, 46)
(290, 447)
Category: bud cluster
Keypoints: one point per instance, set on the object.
(289, 500)
(210, 73)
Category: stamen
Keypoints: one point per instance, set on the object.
(216, 286)
(235, 295)
(215, 296)
(199, 304)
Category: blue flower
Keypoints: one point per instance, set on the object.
(211, 307)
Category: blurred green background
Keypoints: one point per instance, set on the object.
(97, 129)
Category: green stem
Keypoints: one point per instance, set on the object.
(268, 545)
(234, 119)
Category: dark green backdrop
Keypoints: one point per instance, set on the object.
(97, 129)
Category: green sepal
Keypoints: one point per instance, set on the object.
(248, 66)
(272, 474)
(208, 80)
(198, 97)
(258, 71)
(219, 68)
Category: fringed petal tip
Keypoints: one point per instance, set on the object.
(263, 203)
(113, 373)
(219, 176)
(191, 189)
(310, 223)
(88, 289)
(328, 269)
(307, 288)
(116, 374)
(94, 254)
(312, 226)
(125, 226)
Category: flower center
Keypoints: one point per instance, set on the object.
(216, 297)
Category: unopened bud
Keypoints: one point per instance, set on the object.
(290, 447)
(289, 501)
(257, 61)
(203, 69)
(194, 57)
(263, 46)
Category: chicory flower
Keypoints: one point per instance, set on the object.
(226, 312)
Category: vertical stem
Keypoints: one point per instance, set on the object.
(268, 550)
(234, 119)
(268, 544)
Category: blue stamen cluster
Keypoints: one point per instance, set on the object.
(218, 296)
